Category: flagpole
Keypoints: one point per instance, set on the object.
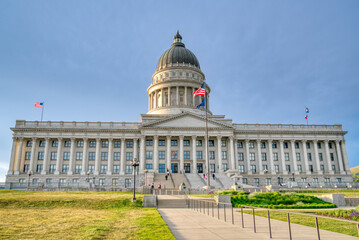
(206, 132)
(42, 110)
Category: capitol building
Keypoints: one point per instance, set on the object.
(171, 137)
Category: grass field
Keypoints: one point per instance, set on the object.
(78, 215)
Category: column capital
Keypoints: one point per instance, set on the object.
(326, 140)
(85, 138)
(98, 139)
(315, 140)
(259, 140)
(219, 137)
(59, 138)
(246, 140)
(14, 138)
(304, 140)
(181, 137)
(281, 140)
(47, 139)
(72, 139)
(34, 138)
(292, 140)
(135, 139)
(230, 138)
(194, 137)
(337, 141)
(21, 139)
(270, 140)
(155, 137)
(110, 139)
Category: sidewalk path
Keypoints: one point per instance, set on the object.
(189, 224)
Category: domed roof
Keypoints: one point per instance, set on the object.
(178, 53)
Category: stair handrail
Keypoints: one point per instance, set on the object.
(173, 182)
(219, 181)
(204, 182)
(189, 183)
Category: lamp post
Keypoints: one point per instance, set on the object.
(134, 164)
(28, 181)
(88, 179)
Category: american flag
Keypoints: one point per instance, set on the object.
(39, 104)
(200, 91)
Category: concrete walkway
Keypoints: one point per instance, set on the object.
(189, 224)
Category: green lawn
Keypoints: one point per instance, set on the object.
(78, 215)
(324, 223)
(347, 193)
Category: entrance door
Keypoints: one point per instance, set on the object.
(212, 167)
(187, 168)
(200, 167)
(174, 167)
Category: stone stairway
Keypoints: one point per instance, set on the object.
(160, 178)
(226, 181)
(167, 201)
(178, 179)
(195, 180)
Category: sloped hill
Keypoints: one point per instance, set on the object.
(355, 171)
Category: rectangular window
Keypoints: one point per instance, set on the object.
(287, 167)
(309, 156)
(292, 179)
(92, 144)
(65, 168)
(40, 156)
(330, 145)
(244, 180)
(91, 168)
(199, 154)
(174, 155)
(252, 156)
(53, 156)
(296, 145)
(52, 168)
(149, 166)
(241, 168)
(116, 156)
(224, 166)
(286, 156)
(274, 145)
(264, 156)
(240, 156)
(174, 143)
(186, 155)
(78, 168)
(116, 168)
(285, 145)
(92, 156)
(224, 143)
(161, 168)
(311, 168)
(27, 155)
(263, 145)
(66, 156)
(149, 154)
(48, 180)
(149, 143)
(319, 145)
(321, 156)
(297, 155)
(117, 144)
(104, 156)
(251, 144)
(80, 144)
(161, 155)
(103, 169)
(186, 143)
(212, 166)
(42, 143)
(239, 144)
(333, 168)
(275, 156)
(315, 180)
(322, 168)
(75, 180)
(104, 144)
(332, 156)
(256, 181)
(26, 168)
(268, 181)
(29, 143)
(276, 168)
(211, 143)
(327, 180)
(35, 180)
(39, 168)
(211, 155)
(253, 168)
(264, 167)
(55, 143)
(67, 144)
(79, 155)
(300, 168)
(224, 155)
(128, 169)
(161, 143)
(129, 156)
(129, 144)
(199, 143)
(307, 145)
(304, 179)
(127, 183)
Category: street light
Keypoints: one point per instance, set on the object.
(28, 181)
(88, 179)
(134, 164)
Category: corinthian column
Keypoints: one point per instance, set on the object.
(122, 160)
(281, 148)
(33, 156)
(142, 154)
(219, 150)
(46, 156)
(181, 154)
(194, 157)
(155, 153)
(98, 156)
(294, 157)
(345, 158)
(84, 157)
(270, 157)
(19, 153)
(316, 157)
(340, 159)
(110, 156)
(59, 156)
(246, 156)
(12, 157)
(231, 151)
(259, 154)
(327, 155)
(305, 155)
(168, 158)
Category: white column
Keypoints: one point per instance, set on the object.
(12, 157)
(72, 157)
(246, 156)
(156, 100)
(177, 95)
(155, 153)
(149, 102)
(316, 157)
(162, 97)
(193, 98)
(340, 159)
(185, 96)
(97, 157)
(181, 154)
(219, 155)
(110, 156)
(294, 157)
(327, 157)
(135, 148)
(259, 156)
(345, 158)
(282, 159)
(19, 153)
(84, 157)
(168, 153)
(46, 156)
(194, 154)
(33, 155)
(231, 151)
(236, 154)
(59, 157)
(169, 96)
(123, 157)
(305, 156)
(142, 155)
(270, 157)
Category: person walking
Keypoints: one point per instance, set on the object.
(159, 186)
(166, 177)
(214, 176)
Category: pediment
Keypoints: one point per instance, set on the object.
(186, 120)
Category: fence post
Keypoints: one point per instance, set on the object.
(254, 221)
(270, 228)
(218, 210)
(232, 215)
(224, 211)
(208, 208)
(242, 216)
(290, 231)
(358, 228)
(212, 210)
(317, 226)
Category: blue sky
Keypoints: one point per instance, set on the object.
(264, 60)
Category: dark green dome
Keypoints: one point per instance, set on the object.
(178, 53)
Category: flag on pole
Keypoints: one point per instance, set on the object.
(306, 110)
(39, 104)
(203, 103)
(306, 113)
(199, 91)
